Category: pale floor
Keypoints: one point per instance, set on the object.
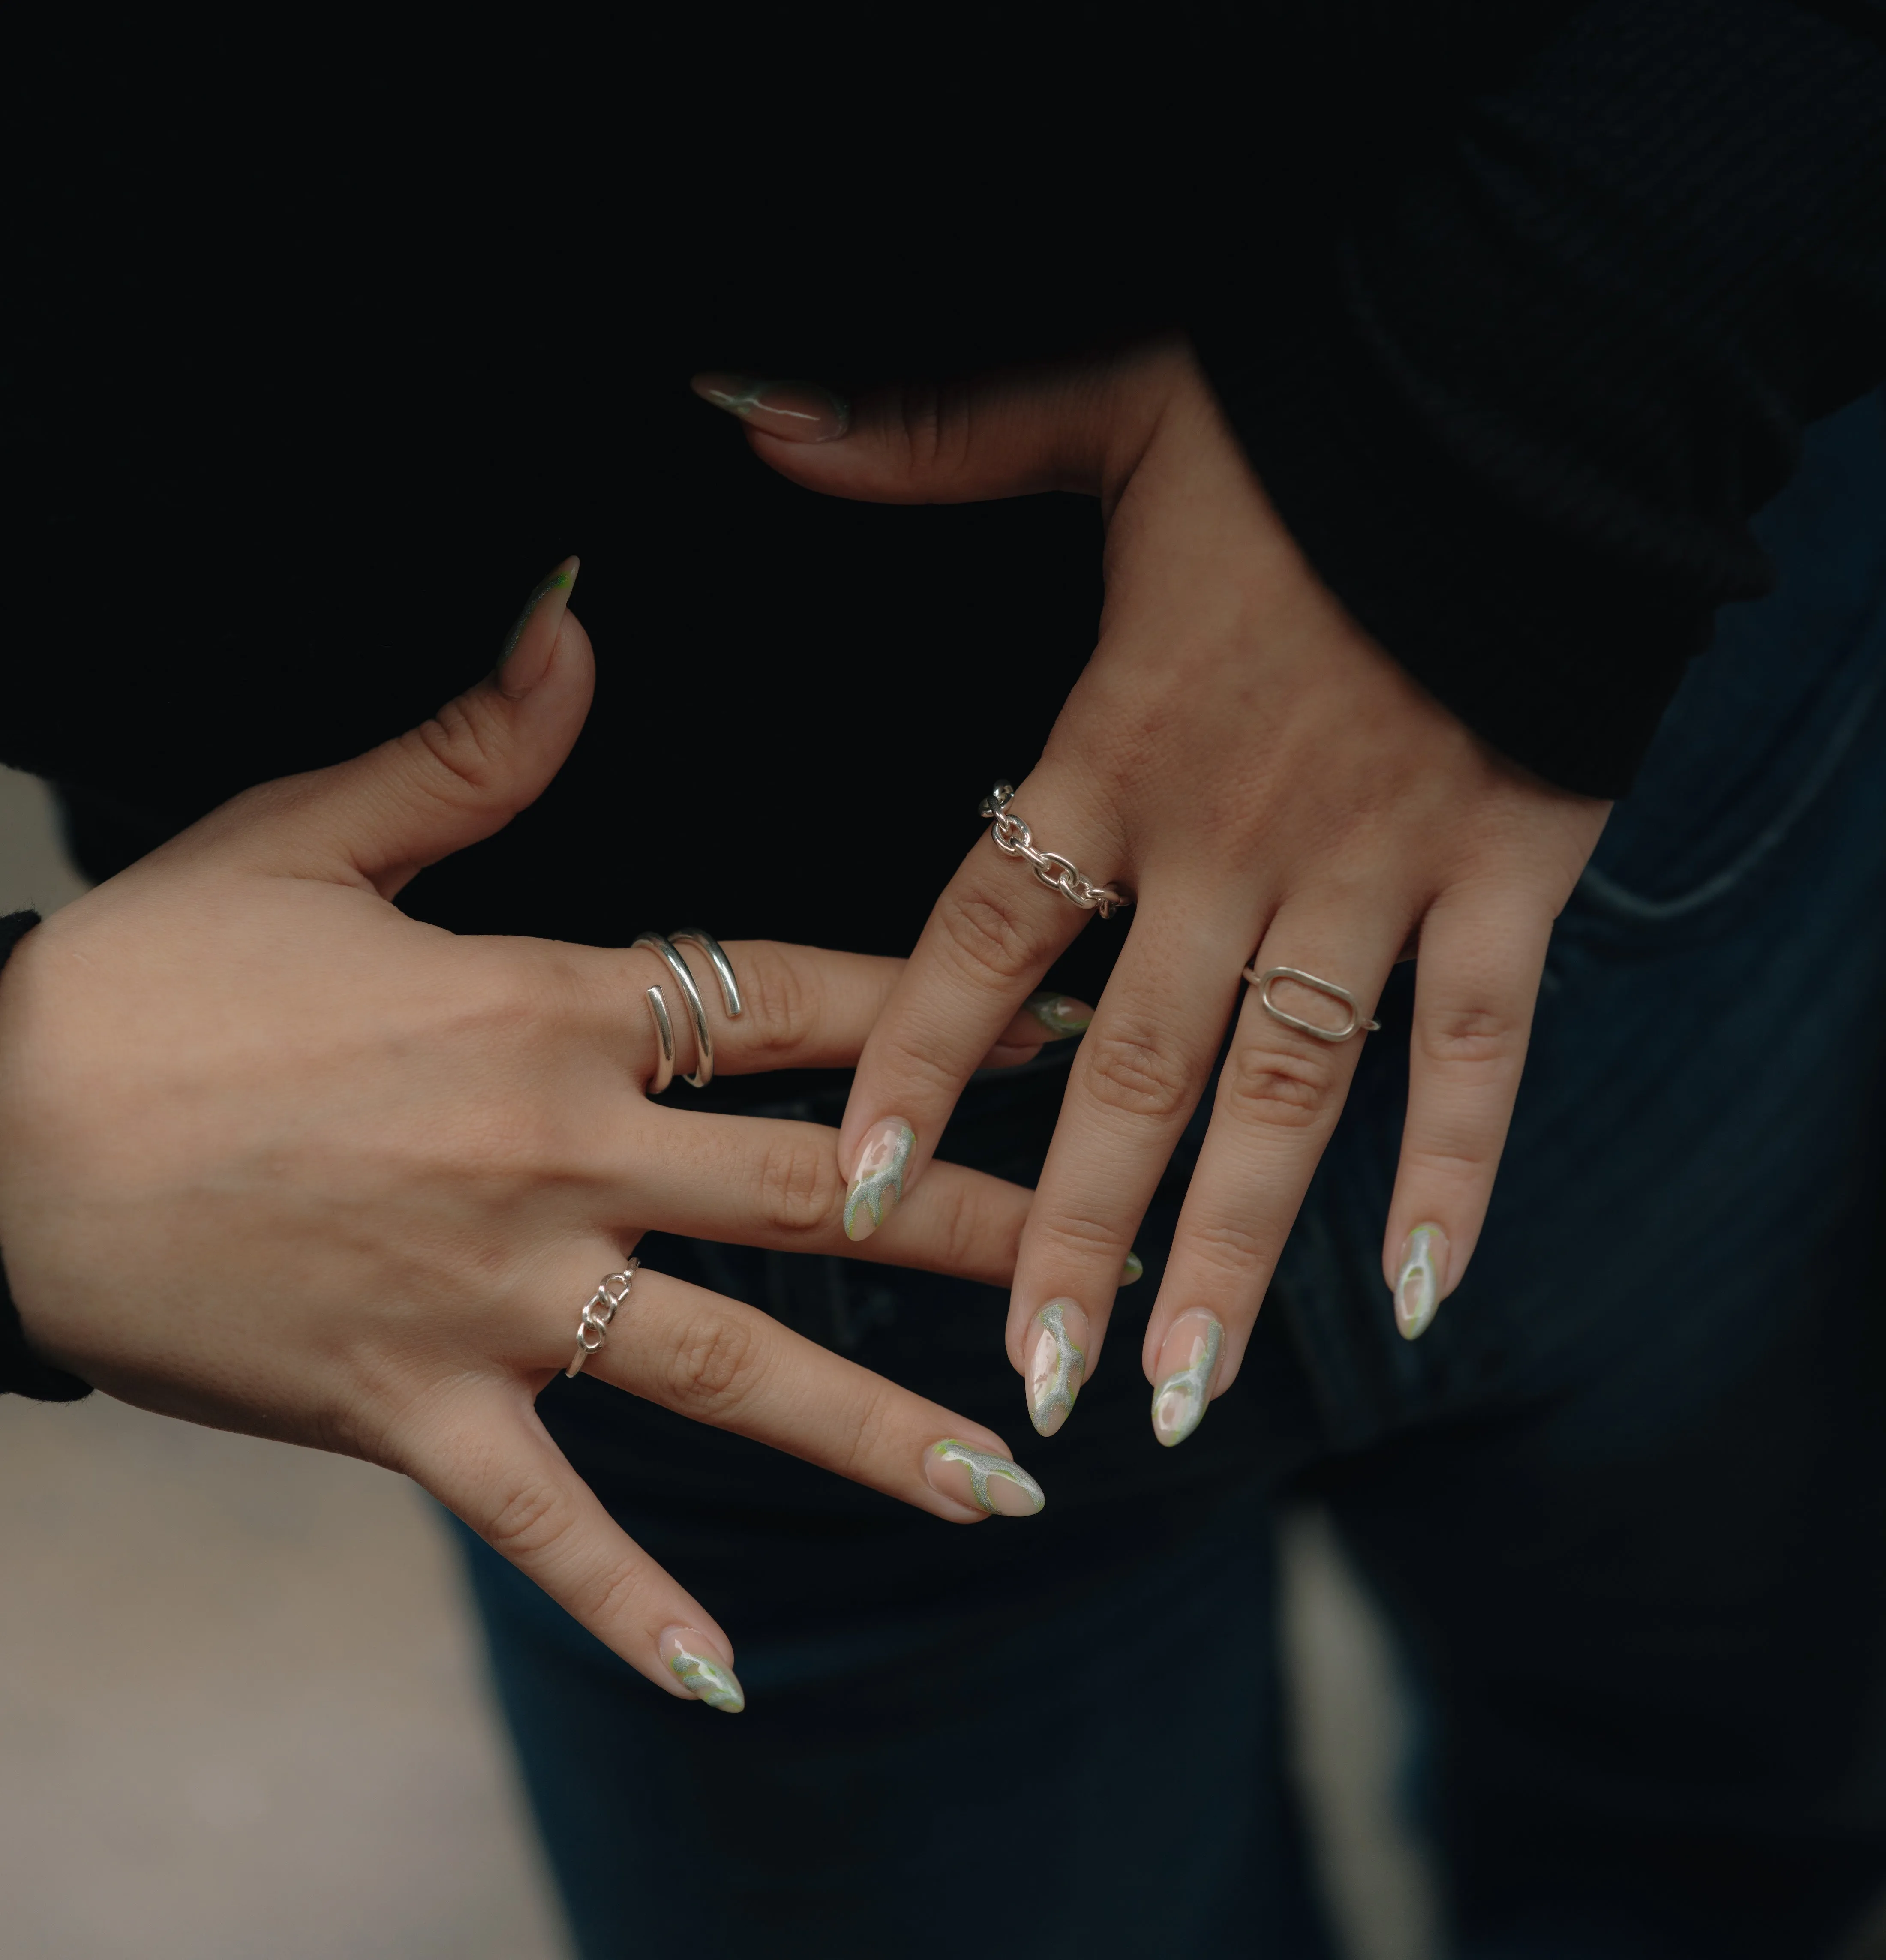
(242, 1716)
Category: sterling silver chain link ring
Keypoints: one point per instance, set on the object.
(592, 1326)
(1014, 839)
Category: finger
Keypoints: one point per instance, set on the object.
(454, 780)
(990, 938)
(1280, 1093)
(763, 1181)
(1130, 1090)
(1001, 435)
(716, 1361)
(801, 1007)
(485, 1455)
(1478, 977)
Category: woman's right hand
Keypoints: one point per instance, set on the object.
(276, 1157)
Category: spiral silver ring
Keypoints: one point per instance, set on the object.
(593, 1325)
(664, 949)
(1264, 980)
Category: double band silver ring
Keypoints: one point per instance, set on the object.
(593, 1325)
(1263, 982)
(697, 1012)
(1014, 838)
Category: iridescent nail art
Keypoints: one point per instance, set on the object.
(1417, 1287)
(1180, 1401)
(1057, 1368)
(1134, 1269)
(562, 576)
(1059, 1015)
(800, 411)
(981, 1467)
(878, 1183)
(711, 1681)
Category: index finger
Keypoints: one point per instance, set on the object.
(988, 942)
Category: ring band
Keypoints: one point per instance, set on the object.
(1264, 980)
(664, 949)
(593, 1325)
(1014, 838)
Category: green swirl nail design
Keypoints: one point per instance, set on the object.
(1179, 1401)
(982, 1466)
(879, 1185)
(1056, 1369)
(1059, 1015)
(1417, 1285)
(708, 1679)
(1134, 1269)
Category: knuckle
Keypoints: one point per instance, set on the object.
(459, 749)
(1457, 1035)
(707, 1371)
(1226, 1247)
(781, 997)
(864, 1444)
(1127, 1069)
(1081, 1238)
(800, 1190)
(530, 1521)
(1278, 1087)
(990, 936)
(966, 1233)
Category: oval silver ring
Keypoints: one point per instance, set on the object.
(1263, 982)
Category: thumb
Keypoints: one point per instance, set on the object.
(1005, 434)
(454, 780)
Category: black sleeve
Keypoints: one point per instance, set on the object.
(22, 1372)
(1518, 390)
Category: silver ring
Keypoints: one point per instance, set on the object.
(1263, 982)
(593, 1325)
(1014, 838)
(697, 1012)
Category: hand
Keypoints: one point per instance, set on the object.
(1271, 786)
(276, 1157)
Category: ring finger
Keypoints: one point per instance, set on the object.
(1280, 1093)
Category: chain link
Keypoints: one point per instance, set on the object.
(593, 1325)
(1014, 838)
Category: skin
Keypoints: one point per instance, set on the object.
(277, 1158)
(1270, 784)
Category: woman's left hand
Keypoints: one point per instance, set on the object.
(1273, 790)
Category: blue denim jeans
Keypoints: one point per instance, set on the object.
(1625, 1502)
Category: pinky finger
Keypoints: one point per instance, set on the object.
(1475, 984)
(489, 1460)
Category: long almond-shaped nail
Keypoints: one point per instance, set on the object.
(800, 411)
(1188, 1361)
(877, 1179)
(1057, 1364)
(1418, 1284)
(976, 1477)
(517, 671)
(1060, 1013)
(700, 1671)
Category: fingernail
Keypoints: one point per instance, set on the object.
(877, 1183)
(1134, 1269)
(800, 411)
(992, 1484)
(1057, 1366)
(519, 669)
(1417, 1285)
(1188, 1360)
(700, 1671)
(1059, 1015)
